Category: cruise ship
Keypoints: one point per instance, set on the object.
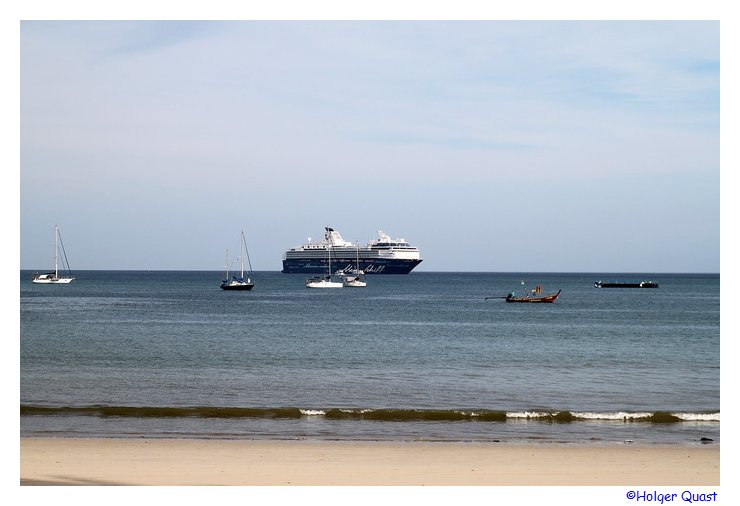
(380, 256)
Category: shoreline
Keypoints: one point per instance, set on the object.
(178, 462)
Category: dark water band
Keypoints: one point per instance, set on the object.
(400, 415)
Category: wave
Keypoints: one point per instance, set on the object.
(389, 415)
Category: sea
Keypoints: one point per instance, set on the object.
(429, 356)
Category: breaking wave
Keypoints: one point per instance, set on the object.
(370, 414)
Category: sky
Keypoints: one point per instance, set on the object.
(496, 146)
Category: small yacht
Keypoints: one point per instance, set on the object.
(324, 281)
(54, 277)
(355, 278)
(238, 282)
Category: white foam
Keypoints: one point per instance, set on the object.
(698, 417)
(619, 415)
(313, 412)
(528, 414)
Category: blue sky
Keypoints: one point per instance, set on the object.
(492, 145)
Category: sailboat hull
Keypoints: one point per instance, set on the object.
(52, 280)
(355, 284)
(241, 287)
(323, 284)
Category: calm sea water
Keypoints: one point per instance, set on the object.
(417, 357)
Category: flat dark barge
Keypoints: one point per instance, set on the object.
(625, 284)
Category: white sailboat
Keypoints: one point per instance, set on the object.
(324, 281)
(53, 277)
(238, 282)
(356, 278)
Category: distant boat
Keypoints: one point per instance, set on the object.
(624, 284)
(547, 298)
(238, 282)
(355, 278)
(354, 281)
(53, 277)
(324, 281)
(512, 297)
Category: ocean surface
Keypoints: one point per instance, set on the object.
(419, 357)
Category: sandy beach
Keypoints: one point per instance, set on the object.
(46, 461)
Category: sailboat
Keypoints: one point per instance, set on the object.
(324, 281)
(238, 282)
(355, 278)
(53, 277)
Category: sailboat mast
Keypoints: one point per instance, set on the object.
(241, 253)
(56, 251)
(246, 250)
(331, 244)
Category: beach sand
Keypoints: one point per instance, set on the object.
(47, 461)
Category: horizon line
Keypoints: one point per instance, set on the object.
(399, 275)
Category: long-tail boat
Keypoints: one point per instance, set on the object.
(526, 298)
